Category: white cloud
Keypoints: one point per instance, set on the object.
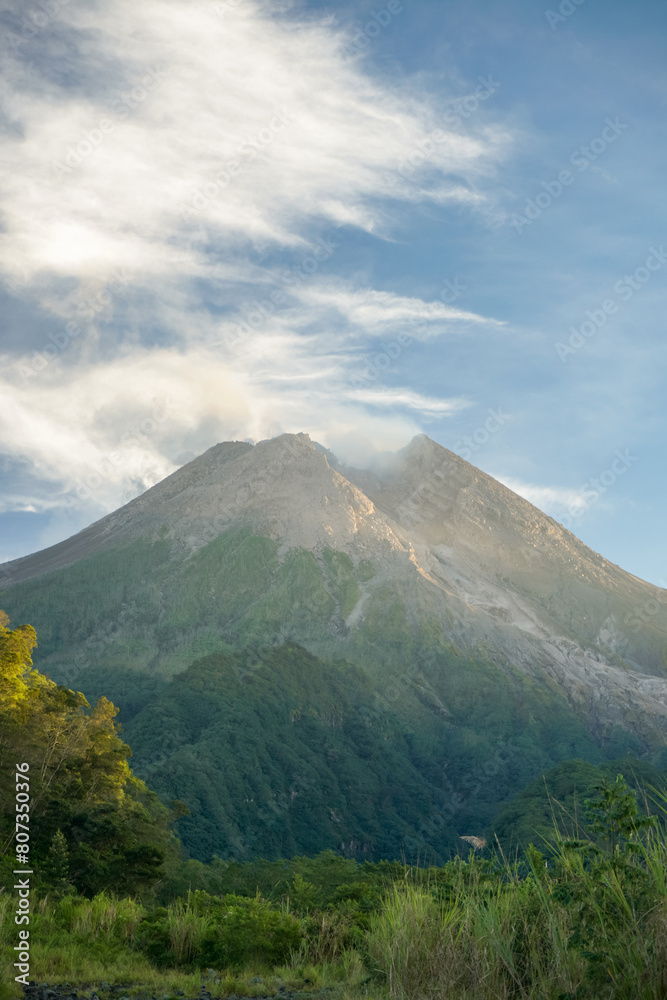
(246, 124)
(115, 424)
(550, 498)
(121, 427)
(427, 406)
(30, 505)
(374, 310)
(175, 146)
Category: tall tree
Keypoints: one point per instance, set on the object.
(85, 803)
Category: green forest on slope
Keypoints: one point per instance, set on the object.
(145, 606)
(275, 750)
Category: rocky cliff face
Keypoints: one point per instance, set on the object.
(499, 555)
(469, 561)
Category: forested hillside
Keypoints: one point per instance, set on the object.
(278, 752)
(316, 657)
(275, 751)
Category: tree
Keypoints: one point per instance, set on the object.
(55, 870)
(614, 815)
(93, 824)
(15, 660)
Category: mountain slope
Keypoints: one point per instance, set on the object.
(480, 540)
(560, 794)
(464, 606)
(275, 753)
(428, 551)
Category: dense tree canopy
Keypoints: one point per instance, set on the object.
(87, 810)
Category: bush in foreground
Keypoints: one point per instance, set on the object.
(586, 920)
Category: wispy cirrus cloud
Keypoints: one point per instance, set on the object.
(426, 406)
(374, 311)
(157, 160)
(248, 125)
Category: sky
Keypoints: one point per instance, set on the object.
(229, 220)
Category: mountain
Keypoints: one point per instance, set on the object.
(491, 641)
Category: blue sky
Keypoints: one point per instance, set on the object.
(228, 220)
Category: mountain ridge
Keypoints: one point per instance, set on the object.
(468, 630)
(462, 559)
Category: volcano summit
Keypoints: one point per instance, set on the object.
(417, 611)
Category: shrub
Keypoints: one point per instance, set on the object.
(223, 933)
(250, 930)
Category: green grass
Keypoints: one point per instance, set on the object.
(587, 923)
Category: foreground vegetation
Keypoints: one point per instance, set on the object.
(113, 902)
(82, 791)
(583, 919)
